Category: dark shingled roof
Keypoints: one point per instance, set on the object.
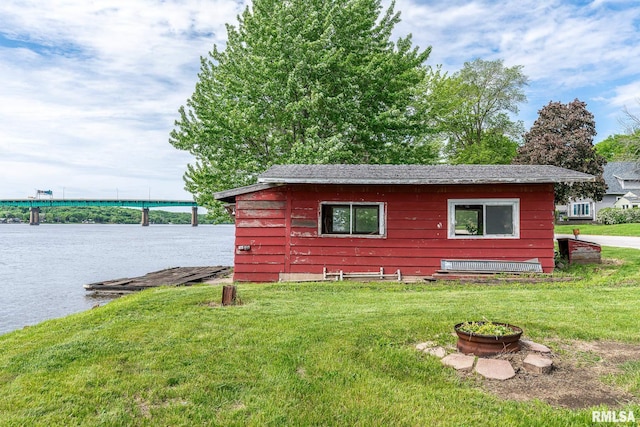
(407, 174)
(621, 170)
(420, 174)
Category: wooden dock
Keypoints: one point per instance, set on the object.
(176, 276)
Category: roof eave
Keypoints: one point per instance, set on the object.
(229, 196)
(433, 181)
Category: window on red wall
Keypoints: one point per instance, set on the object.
(484, 218)
(362, 219)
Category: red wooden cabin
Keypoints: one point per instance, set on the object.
(309, 221)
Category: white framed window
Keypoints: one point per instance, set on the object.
(484, 218)
(352, 219)
(581, 209)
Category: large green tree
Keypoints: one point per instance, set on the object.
(618, 147)
(473, 109)
(623, 147)
(303, 81)
(494, 148)
(563, 136)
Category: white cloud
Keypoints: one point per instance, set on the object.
(552, 39)
(579, 49)
(626, 95)
(95, 86)
(91, 88)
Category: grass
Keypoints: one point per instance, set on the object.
(302, 354)
(601, 229)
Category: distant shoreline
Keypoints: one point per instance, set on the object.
(101, 215)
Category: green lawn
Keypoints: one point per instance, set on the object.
(602, 230)
(302, 354)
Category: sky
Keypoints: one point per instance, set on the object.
(90, 89)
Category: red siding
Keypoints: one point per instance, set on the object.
(260, 225)
(281, 227)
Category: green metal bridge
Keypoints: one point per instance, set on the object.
(34, 204)
(129, 203)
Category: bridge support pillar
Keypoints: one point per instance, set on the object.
(194, 216)
(145, 217)
(34, 216)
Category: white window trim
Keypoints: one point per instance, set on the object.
(451, 215)
(573, 206)
(382, 226)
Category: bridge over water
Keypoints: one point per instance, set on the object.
(34, 206)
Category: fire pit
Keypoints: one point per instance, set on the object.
(486, 338)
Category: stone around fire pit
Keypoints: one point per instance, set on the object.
(537, 364)
(502, 367)
(430, 348)
(439, 352)
(459, 361)
(530, 345)
(495, 369)
(424, 345)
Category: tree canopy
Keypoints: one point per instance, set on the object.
(303, 81)
(473, 109)
(618, 147)
(493, 149)
(563, 136)
(623, 147)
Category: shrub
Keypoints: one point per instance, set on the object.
(611, 216)
(633, 215)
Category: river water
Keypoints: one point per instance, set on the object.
(43, 269)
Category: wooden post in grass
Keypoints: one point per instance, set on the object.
(228, 295)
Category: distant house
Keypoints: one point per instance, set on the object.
(628, 201)
(304, 221)
(620, 177)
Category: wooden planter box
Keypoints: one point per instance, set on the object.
(579, 251)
